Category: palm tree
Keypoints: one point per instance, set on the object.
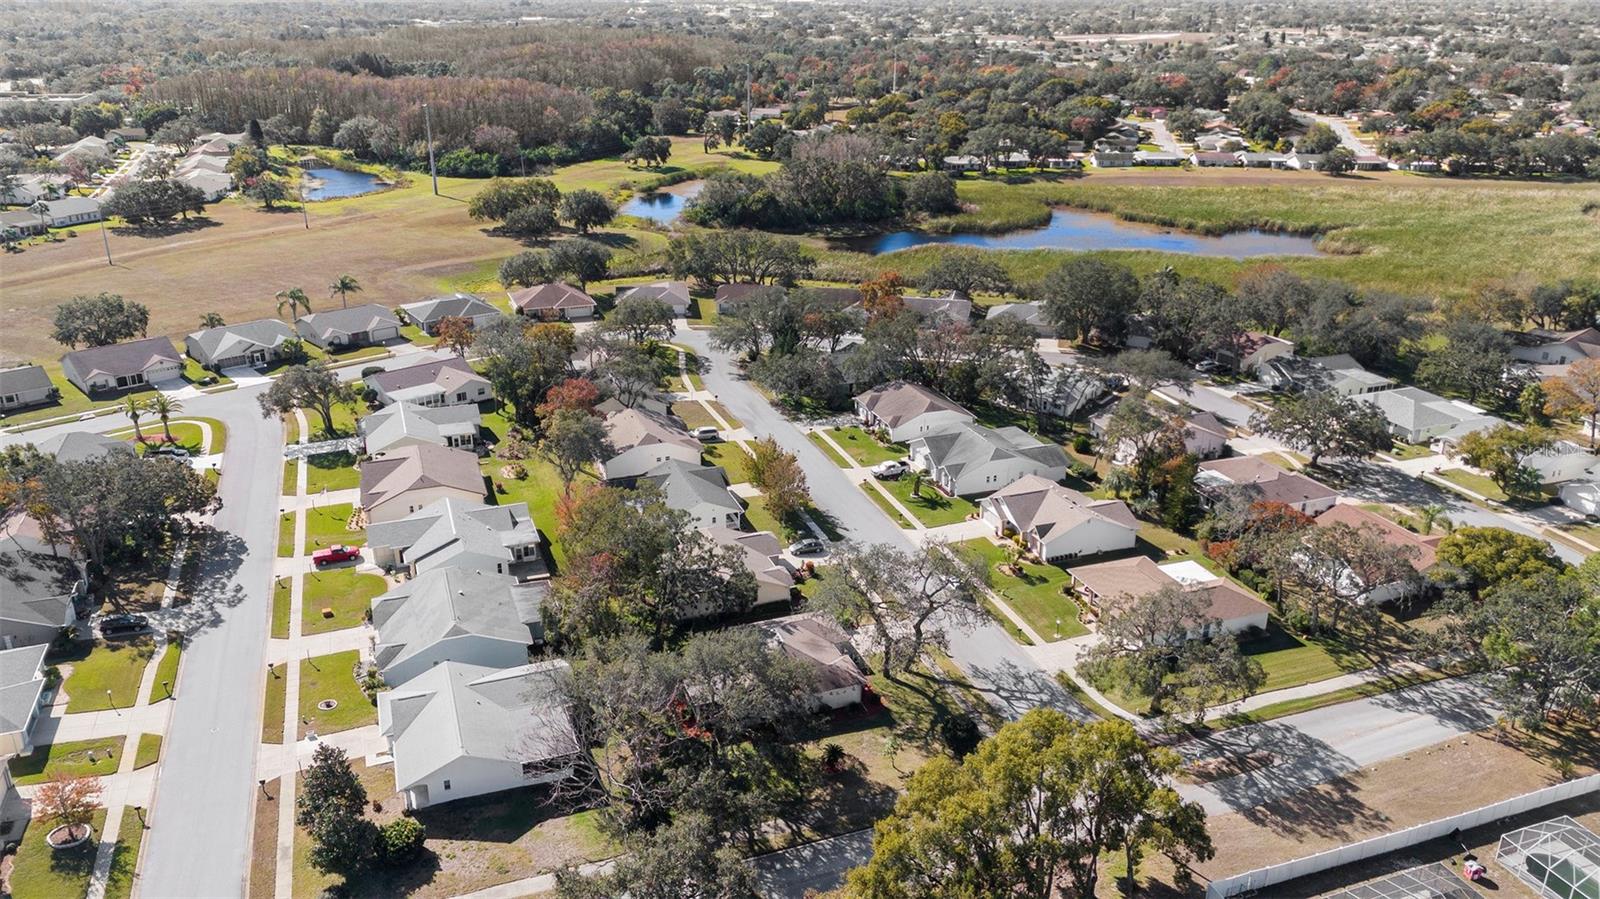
(132, 408)
(41, 209)
(211, 320)
(163, 407)
(1118, 481)
(294, 298)
(1430, 515)
(1144, 506)
(345, 286)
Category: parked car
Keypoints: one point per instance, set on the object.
(176, 452)
(889, 470)
(1208, 366)
(123, 625)
(706, 434)
(806, 546)
(335, 553)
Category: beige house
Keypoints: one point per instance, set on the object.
(395, 485)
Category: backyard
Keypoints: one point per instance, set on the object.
(540, 488)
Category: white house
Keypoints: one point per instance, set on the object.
(120, 366)
(700, 491)
(1255, 348)
(71, 211)
(452, 533)
(1583, 495)
(213, 185)
(350, 327)
(410, 478)
(971, 460)
(1419, 417)
(1564, 461)
(25, 385)
(1265, 482)
(22, 686)
(408, 424)
(1230, 608)
(460, 730)
(674, 293)
(1203, 435)
(1057, 522)
(447, 382)
(824, 647)
(1340, 374)
(1424, 548)
(455, 615)
(1030, 314)
(41, 588)
(909, 410)
(249, 343)
(642, 441)
(1557, 347)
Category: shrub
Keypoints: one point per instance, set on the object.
(402, 839)
(1083, 444)
(833, 756)
(960, 733)
(371, 370)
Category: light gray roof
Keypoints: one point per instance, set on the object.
(762, 553)
(818, 643)
(463, 305)
(454, 711)
(449, 375)
(1032, 313)
(898, 402)
(353, 320)
(21, 684)
(37, 588)
(78, 446)
(23, 378)
(686, 486)
(451, 527)
(129, 358)
(628, 428)
(1344, 371)
(673, 293)
(952, 307)
(434, 424)
(1263, 480)
(1415, 409)
(236, 340)
(72, 206)
(444, 603)
(973, 445)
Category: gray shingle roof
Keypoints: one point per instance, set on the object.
(449, 374)
(434, 424)
(685, 486)
(236, 340)
(415, 467)
(353, 320)
(973, 445)
(20, 686)
(443, 603)
(78, 446)
(127, 358)
(554, 295)
(464, 305)
(898, 402)
(450, 527)
(23, 378)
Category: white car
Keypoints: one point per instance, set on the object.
(706, 434)
(889, 470)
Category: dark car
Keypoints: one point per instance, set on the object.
(123, 625)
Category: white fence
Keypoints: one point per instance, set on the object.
(1389, 842)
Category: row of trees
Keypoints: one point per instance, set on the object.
(533, 207)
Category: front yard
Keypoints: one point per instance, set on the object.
(81, 758)
(863, 447)
(332, 677)
(731, 457)
(345, 593)
(328, 525)
(105, 675)
(930, 506)
(39, 872)
(331, 471)
(1037, 595)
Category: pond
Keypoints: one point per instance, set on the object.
(665, 205)
(326, 184)
(1073, 230)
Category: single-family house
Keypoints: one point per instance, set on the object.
(128, 134)
(121, 366)
(460, 730)
(1340, 374)
(254, 343)
(972, 460)
(71, 211)
(1542, 347)
(355, 326)
(1251, 160)
(731, 296)
(1230, 608)
(456, 615)
(25, 190)
(1057, 522)
(1418, 417)
(1583, 494)
(1213, 159)
(1203, 435)
(454, 533)
(217, 164)
(1030, 314)
(410, 478)
(212, 185)
(1304, 162)
(674, 293)
(908, 410)
(1264, 482)
(952, 307)
(1564, 461)
(699, 491)
(22, 222)
(83, 446)
(1369, 162)
(41, 591)
(427, 314)
(1071, 389)
(641, 441)
(409, 424)
(824, 647)
(1424, 549)
(22, 386)
(1113, 159)
(446, 382)
(1159, 158)
(1253, 349)
(763, 555)
(554, 302)
(94, 146)
(961, 163)
(22, 688)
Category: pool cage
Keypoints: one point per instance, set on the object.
(1559, 858)
(1434, 881)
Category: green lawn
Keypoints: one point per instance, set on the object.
(184, 433)
(1588, 533)
(931, 507)
(68, 758)
(762, 520)
(167, 673)
(344, 417)
(125, 858)
(286, 547)
(1477, 483)
(540, 489)
(333, 677)
(331, 471)
(40, 872)
(149, 751)
(731, 457)
(113, 667)
(694, 415)
(282, 598)
(272, 710)
(346, 592)
(863, 447)
(1036, 595)
(327, 525)
(291, 477)
(1404, 451)
(829, 451)
(1290, 661)
(888, 508)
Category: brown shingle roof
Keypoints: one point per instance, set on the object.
(550, 296)
(898, 402)
(1357, 517)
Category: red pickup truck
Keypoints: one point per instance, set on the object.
(336, 553)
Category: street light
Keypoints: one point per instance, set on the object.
(111, 701)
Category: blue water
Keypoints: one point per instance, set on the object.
(664, 206)
(1070, 230)
(326, 184)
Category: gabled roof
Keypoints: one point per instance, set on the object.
(416, 467)
(79, 446)
(673, 293)
(454, 711)
(449, 527)
(1139, 576)
(354, 320)
(21, 684)
(462, 305)
(434, 424)
(1048, 509)
(818, 643)
(449, 375)
(973, 445)
(738, 293)
(21, 378)
(129, 358)
(628, 428)
(551, 296)
(236, 340)
(1207, 423)
(685, 485)
(761, 553)
(898, 402)
(445, 603)
(1267, 481)
(37, 588)
(1392, 533)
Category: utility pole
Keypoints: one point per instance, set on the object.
(106, 239)
(747, 107)
(427, 120)
(300, 188)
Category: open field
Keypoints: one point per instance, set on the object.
(401, 244)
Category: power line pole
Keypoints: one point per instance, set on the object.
(427, 120)
(747, 107)
(106, 239)
(300, 187)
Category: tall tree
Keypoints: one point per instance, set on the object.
(1469, 357)
(1577, 394)
(99, 320)
(964, 272)
(164, 407)
(344, 285)
(313, 386)
(290, 301)
(580, 259)
(779, 477)
(1481, 558)
(1503, 451)
(134, 408)
(1341, 567)
(1084, 296)
(640, 319)
(587, 209)
(331, 806)
(1322, 423)
(523, 362)
(571, 441)
(455, 334)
